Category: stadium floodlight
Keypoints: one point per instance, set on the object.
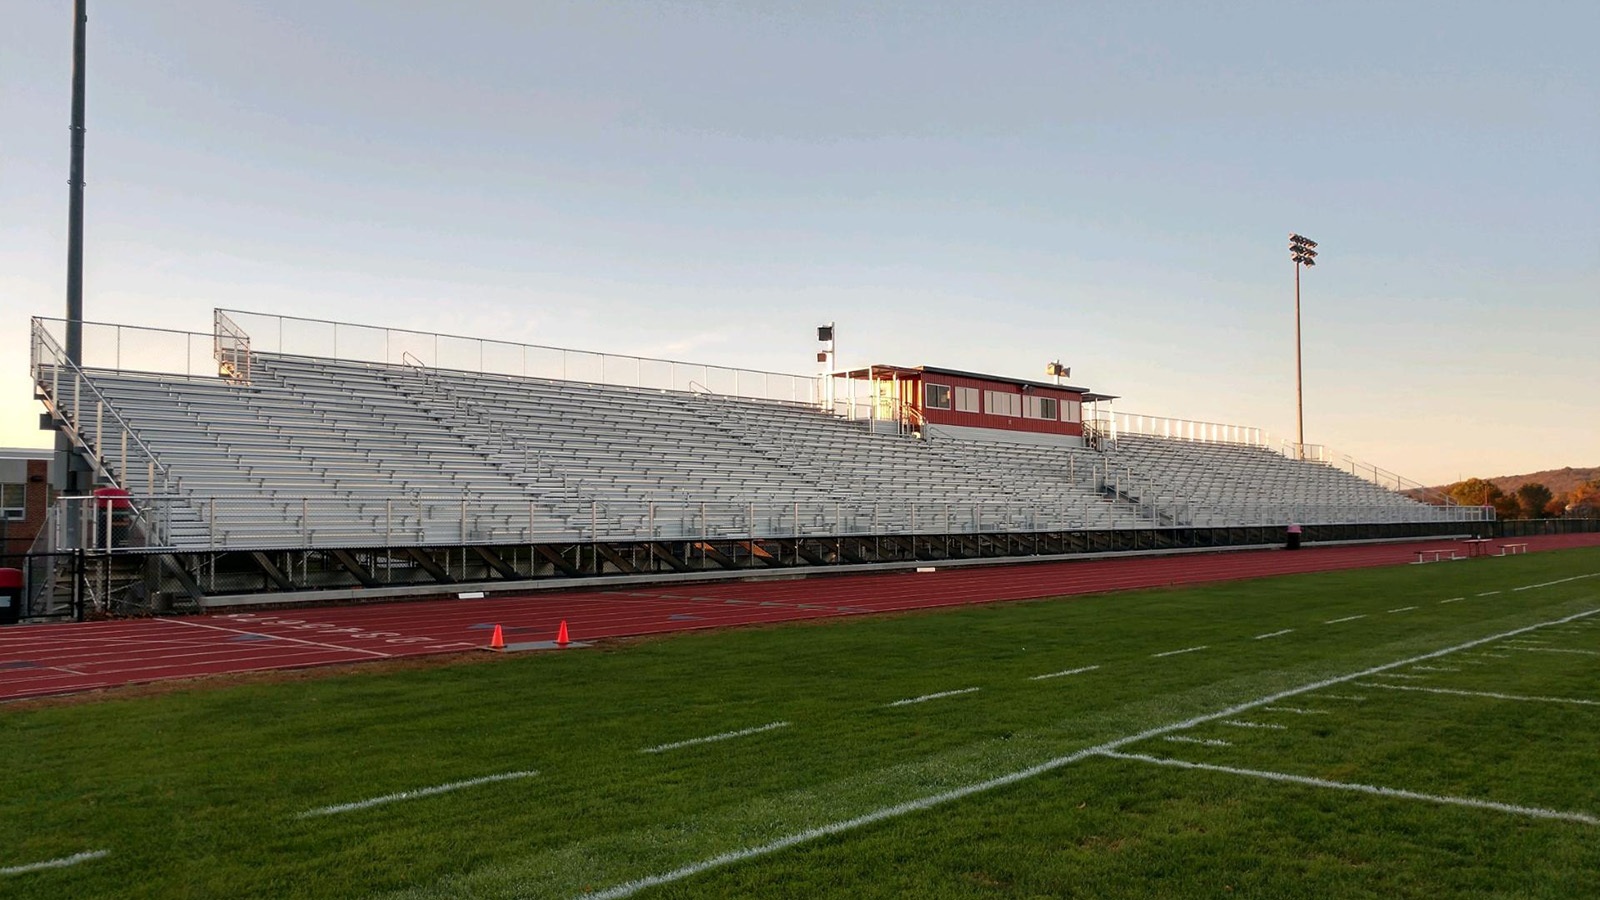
(1304, 251)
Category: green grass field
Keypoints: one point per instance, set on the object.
(1003, 791)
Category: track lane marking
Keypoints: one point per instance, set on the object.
(278, 637)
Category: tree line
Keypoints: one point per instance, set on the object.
(1530, 501)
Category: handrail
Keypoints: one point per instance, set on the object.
(228, 355)
(43, 340)
(1186, 429)
(801, 388)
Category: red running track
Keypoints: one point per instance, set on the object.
(41, 660)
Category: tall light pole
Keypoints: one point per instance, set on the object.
(1304, 251)
(70, 479)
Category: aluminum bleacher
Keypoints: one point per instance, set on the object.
(314, 450)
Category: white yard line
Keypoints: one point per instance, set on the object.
(1452, 600)
(1354, 698)
(1488, 593)
(726, 735)
(1554, 650)
(1489, 694)
(276, 637)
(689, 870)
(1242, 723)
(1404, 609)
(1063, 673)
(413, 794)
(1434, 669)
(1345, 619)
(1271, 634)
(1184, 739)
(61, 863)
(1529, 587)
(1536, 812)
(1395, 675)
(1296, 710)
(926, 697)
(1184, 650)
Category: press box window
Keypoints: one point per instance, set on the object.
(999, 403)
(936, 396)
(1041, 407)
(1072, 411)
(966, 400)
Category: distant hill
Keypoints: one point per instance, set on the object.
(1559, 481)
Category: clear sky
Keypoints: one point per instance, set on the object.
(985, 186)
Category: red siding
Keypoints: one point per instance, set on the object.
(983, 419)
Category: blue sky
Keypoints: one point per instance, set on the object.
(982, 186)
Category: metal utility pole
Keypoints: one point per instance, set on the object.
(69, 479)
(80, 20)
(1303, 249)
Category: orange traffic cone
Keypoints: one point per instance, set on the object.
(561, 634)
(498, 642)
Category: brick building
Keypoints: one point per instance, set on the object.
(25, 496)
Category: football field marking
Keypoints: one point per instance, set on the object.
(1536, 812)
(926, 697)
(1245, 723)
(412, 794)
(1184, 650)
(1345, 619)
(689, 870)
(1553, 650)
(1064, 673)
(1434, 669)
(1403, 609)
(726, 735)
(1488, 593)
(61, 863)
(1452, 600)
(1296, 710)
(1353, 698)
(1184, 739)
(1489, 694)
(1271, 634)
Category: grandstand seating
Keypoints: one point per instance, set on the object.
(340, 453)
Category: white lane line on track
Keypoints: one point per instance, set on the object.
(1243, 723)
(1184, 650)
(1536, 812)
(1271, 634)
(412, 794)
(1184, 739)
(1403, 609)
(1345, 619)
(276, 637)
(1489, 694)
(1063, 673)
(689, 870)
(726, 735)
(61, 863)
(926, 697)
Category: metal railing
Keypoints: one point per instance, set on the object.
(1185, 430)
(344, 341)
(49, 363)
